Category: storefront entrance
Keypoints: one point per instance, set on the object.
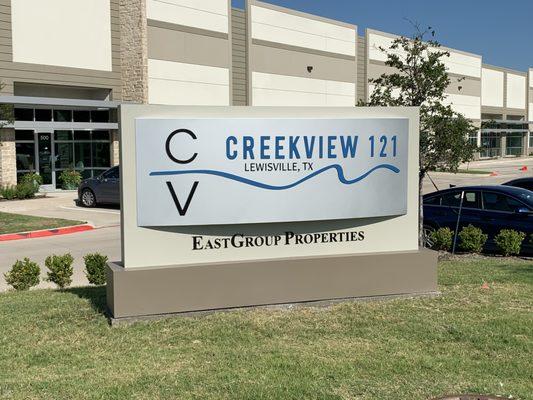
(51, 152)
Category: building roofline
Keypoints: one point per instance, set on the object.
(504, 69)
(302, 14)
(393, 35)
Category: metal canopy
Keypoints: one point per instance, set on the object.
(50, 101)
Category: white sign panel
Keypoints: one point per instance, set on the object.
(252, 170)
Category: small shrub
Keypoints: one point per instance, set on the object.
(8, 192)
(70, 179)
(23, 275)
(442, 239)
(509, 241)
(33, 179)
(472, 239)
(60, 269)
(25, 191)
(95, 268)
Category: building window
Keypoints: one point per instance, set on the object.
(25, 152)
(490, 144)
(63, 115)
(82, 116)
(514, 144)
(23, 114)
(100, 116)
(88, 152)
(43, 114)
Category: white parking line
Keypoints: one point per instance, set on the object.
(90, 210)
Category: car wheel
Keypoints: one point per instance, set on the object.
(88, 199)
(427, 232)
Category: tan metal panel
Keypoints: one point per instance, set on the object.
(289, 62)
(174, 45)
(239, 70)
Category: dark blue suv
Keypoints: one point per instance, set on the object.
(491, 208)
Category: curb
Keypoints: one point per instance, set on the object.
(46, 232)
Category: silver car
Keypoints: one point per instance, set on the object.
(103, 189)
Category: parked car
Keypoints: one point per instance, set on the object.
(102, 189)
(490, 208)
(525, 183)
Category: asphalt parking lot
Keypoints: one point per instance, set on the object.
(106, 237)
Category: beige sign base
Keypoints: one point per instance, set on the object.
(190, 288)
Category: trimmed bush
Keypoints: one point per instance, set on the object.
(8, 192)
(60, 269)
(25, 190)
(23, 275)
(442, 239)
(70, 179)
(509, 241)
(33, 179)
(472, 239)
(95, 268)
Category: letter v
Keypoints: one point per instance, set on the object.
(182, 210)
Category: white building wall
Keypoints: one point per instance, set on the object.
(469, 106)
(516, 91)
(205, 14)
(457, 63)
(492, 88)
(283, 90)
(279, 27)
(67, 33)
(177, 83)
(531, 94)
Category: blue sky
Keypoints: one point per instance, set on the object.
(501, 31)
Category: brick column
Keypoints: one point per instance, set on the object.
(8, 157)
(134, 50)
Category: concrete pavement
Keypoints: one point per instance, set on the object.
(63, 205)
(506, 169)
(106, 238)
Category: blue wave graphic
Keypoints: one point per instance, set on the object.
(337, 167)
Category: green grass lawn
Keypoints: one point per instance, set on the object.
(13, 223)
(58, 345)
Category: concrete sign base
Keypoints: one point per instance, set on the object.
(214, 286)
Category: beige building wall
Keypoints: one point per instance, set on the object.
(297, 59)
(238, 58)
(87, 34)
(189, 52)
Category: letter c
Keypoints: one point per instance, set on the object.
(167, 146)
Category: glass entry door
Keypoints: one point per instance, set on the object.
(45, 150)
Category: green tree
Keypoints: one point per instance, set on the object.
(420, 79)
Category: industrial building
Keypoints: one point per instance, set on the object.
(66, 65)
